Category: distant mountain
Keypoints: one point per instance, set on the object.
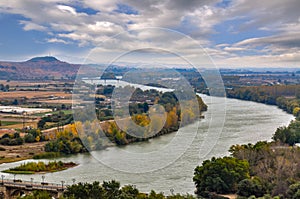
(43, 59)
(38, 68)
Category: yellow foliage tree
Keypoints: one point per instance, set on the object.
(37, 138)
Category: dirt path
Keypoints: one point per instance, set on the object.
(230, 196)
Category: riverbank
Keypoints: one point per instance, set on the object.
(284, 97)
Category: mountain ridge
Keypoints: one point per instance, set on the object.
(44, 58)
(45, 67)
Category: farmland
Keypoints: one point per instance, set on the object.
(26, 102)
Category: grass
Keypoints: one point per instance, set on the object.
(18, 172)
(51, 123)
(66, 112)
(19, 125)
(10, 159)
(47, 155)
(42, 114)
(8, 123)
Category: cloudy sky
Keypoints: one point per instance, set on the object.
(235, 33)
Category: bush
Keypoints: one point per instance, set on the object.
(47, 155)
(29, 138)
(294, 191)
(5, 141)
(11, 142)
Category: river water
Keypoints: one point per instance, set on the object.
(245, 122)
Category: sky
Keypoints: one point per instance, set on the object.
(232, 33)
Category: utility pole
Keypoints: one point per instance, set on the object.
(24, 120)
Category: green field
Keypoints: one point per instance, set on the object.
(7, 123)
(66, 112)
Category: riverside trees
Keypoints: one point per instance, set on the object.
(264, 168)
(220, 175)
(290, 134)
(286, 97)
(113, 190)
(95, 135)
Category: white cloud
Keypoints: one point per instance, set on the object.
(69, 9)
(55, 40)
(103, 5)
(28, 25)
(283, 60)
(233, 49)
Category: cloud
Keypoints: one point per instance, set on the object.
(233, 49)
(66, 23)
(61, 16)
(289, 40)
(69, 9)
(55, 40)
(264, 14)
(283, 60)
(28, 25)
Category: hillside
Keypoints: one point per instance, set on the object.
(38, 68)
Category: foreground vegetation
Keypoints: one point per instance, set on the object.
(263, 169)
(106, 190)
(37, 167)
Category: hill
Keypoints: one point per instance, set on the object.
(43, 59)
(38, 68)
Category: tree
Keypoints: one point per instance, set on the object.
(29, 138)
(37, 195)
(112, 188)
(15, 102)
(289, 135)
(128, 192)
(7, 88)
(41, 124)
(85, 191)
(294, 191)
(296, 111)
(220, 175)
(251, 187)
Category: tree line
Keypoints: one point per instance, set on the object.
(286, 97)
(87, 135)
(107, 190)
(261, 170)
(32, 135)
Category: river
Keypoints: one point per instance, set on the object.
(245, 122)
